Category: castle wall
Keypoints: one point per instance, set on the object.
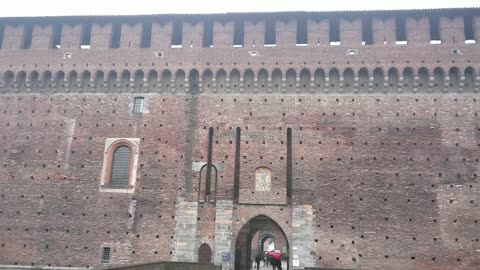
(384, 166)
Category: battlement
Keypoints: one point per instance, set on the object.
(235, 30)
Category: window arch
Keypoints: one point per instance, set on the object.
(166, 80)
(319, 78)
(34, 79)
(378, 79)
(305, 79)
(180, 80)
(262, 79)
(221, 80)
(47, 78)
(125, 79)
(393, 78)
(248, 80)
(235, 80)
(207, 80)
(276, 80)
(138, 81)
(469, 79)
(8, 78)
(454, 76)
(99, 78)
(363, 80)
(291, 80)
(152, 80)
(86, 77)
(438, 76)
(423, 75)
(120, 171)
(72, 79)
(120, 164)
(348, 80)
(334, 78)
(408, 79)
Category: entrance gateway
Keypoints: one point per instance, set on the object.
(257, 235)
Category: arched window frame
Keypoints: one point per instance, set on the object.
(111, 144)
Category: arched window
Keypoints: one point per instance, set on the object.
(334, 78)
(319, 77)
(363, 80)
(21, 79)
(235, 80)
(378, 79)
(276, 80)
(112, 79)
(207, 80)
(263, 179)
(72, 79)
(393, 79)
(469, 79)
(262, 79)
(8, 78)
(152, 80)
(221, 80)
(291, 80)
(305, 79)
(34, 79)
(125, 79)
(348, 80)
(47, 78)
(166, 80)
(86, 79)
(138, 82)
(60, 79)
(248, 80)
(454, 76)
(179, 80)
(99, 78)
(438, 75)
(120, 164)
(408, 79)
(122, 157)
(193, 82)
(423, 79)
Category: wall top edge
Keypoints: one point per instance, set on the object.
(246, 15)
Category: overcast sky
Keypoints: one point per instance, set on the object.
(114, 7)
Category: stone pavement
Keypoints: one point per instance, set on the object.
(262, 267)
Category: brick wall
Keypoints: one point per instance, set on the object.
(391, 178)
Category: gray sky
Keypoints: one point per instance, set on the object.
(115, 7)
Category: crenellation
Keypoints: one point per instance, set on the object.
(452, 30)
(254, 34)
(286, 33)
(100, 36)
(13, 36)
(384, 31)
(131, 36)
(351, 32)
(42, 37)
(71, 34)
(417, 29)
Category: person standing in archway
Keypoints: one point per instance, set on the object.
(277, 260)
(258, 258)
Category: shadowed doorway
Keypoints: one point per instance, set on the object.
(257, 235)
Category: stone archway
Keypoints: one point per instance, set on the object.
(256, 231)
